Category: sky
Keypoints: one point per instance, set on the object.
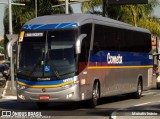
(76, 8)
(2, 6)
(157, 11)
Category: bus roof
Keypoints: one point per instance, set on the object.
(79, 19)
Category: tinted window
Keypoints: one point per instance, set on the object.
(117, 39)
(47, 54)
(83, 57)
(99, 41)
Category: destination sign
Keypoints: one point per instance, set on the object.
(33, 34)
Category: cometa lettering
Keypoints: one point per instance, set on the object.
(114, 59)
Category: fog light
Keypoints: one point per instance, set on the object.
(70, 95)
(20, 87)
(21, 97)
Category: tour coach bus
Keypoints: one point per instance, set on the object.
(75, 57)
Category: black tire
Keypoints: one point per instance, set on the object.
(42, 105)
(138, 93)
(95, 95)
(158, 86)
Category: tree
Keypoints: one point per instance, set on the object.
(22, 14)
(2, 46)
(152, 24)
(89, 7)
(137, 15)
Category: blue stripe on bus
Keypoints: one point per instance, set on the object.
(49, 26)
(128, 59)
(28, 82)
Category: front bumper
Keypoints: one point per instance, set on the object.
(60, 94)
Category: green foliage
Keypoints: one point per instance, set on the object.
(152, 24)
(89, 6)
(2, 42)
(2, 47)
(22, 14)
(136, 15)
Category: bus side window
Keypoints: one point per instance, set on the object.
(99, 39)
(96, 48)
(85, 50)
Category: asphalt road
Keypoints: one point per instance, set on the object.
(117, 107)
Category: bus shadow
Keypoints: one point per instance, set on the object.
(58, 109)
(67, 109)
(15, 105)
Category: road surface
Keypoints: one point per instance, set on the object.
(117, 107)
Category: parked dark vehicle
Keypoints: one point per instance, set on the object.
(2, 80)
(4, 73)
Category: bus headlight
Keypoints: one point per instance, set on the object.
(20, 87)
(76, 82)
(67, 86)
(70, 85)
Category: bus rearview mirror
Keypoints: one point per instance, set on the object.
(10, 47)
(79, 43)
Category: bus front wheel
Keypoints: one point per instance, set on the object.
(95, 95)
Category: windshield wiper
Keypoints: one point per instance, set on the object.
(47, 55)
(56, 71)
(43, 59)
(67, 73)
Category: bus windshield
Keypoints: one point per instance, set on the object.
(47, 55)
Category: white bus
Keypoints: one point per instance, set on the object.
(76, 57)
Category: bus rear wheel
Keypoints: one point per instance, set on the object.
(138, 93)
(95, 95)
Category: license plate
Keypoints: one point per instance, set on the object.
(44, 97)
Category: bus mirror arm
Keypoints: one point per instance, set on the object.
(79, 43)
(9, 46)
